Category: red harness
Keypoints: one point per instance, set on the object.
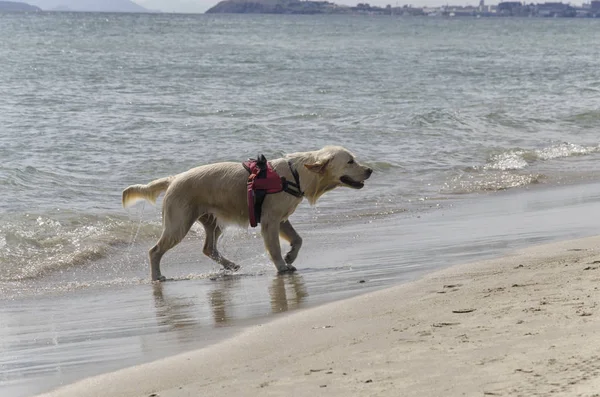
(264, 180)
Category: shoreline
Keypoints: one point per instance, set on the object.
(508, 326)
(147, 325)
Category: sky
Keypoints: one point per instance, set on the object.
(199, 6)
(183, 6)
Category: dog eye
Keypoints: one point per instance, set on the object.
(351, 161)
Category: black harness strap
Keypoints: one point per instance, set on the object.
(291, 187)
(259, 195)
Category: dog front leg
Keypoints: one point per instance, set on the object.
(270, 233)
(289, 233)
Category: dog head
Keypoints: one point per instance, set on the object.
(331, 167)
(337, 165)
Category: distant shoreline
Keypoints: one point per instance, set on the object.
(297, 7)
(127, 6)
(503, 9)
(14, 6)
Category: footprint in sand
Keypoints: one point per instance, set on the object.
(460, 311)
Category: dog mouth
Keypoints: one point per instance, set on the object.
(346, 180)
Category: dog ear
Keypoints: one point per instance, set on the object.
(319, 167)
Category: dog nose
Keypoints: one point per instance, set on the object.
(369, 171)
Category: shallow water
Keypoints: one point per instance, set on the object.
(482, 133)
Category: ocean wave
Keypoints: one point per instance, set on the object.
(27, 177)
(515, 121)
(44, 181)
(512, 160)
(506, 169)
(34, 245)
(591, 116)
(518, 159)
(436, 117)
(565, 150)
(488, 181)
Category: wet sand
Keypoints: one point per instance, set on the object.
(522, 325)
(103, 319)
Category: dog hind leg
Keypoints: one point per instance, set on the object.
(213, 232)
(177, 221)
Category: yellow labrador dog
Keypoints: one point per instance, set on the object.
(216, 195)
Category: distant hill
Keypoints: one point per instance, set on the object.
(89, 5)
(13, 6)
(277, 7)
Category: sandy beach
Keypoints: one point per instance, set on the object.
(522, 325)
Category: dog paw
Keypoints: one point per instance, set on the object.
(290, 258)
(287, 269)
(232, 267)
(159, 279)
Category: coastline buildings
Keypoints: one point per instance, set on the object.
(507, 9)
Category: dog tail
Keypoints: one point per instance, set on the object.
(150, 192)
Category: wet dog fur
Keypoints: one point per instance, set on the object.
(215, 195)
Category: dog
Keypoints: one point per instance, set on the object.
(216, 195)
